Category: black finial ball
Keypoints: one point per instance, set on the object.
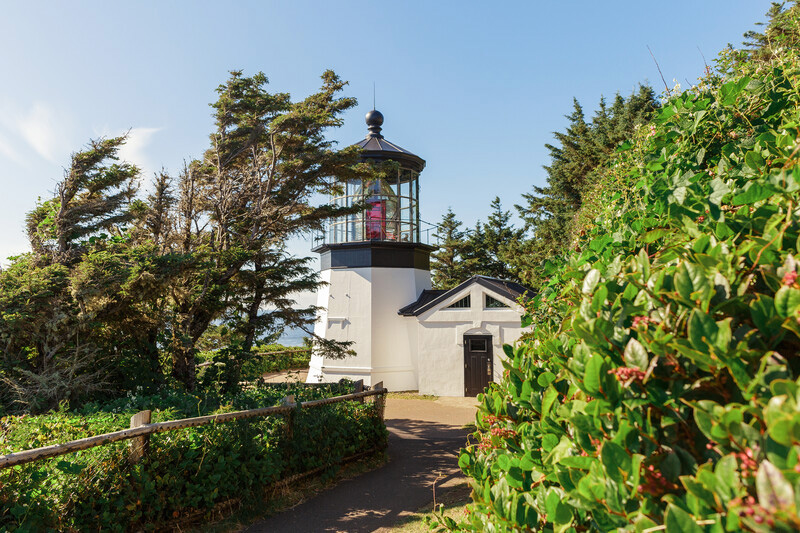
(374, 118)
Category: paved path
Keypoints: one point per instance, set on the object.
(424, 439)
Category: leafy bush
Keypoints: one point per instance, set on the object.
(186, 472)
(228, 366)
(265, 360)
(660, 387)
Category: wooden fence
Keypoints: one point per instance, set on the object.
(141, 428)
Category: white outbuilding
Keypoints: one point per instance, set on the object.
(378, 296)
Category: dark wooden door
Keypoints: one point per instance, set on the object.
(477, 363)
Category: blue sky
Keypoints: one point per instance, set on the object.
(475, 88)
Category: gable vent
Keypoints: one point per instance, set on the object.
(463, 303)
(492, 303)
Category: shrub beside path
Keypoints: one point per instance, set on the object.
(424, 439)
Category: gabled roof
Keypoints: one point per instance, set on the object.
(430, 298)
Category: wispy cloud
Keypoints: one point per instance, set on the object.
(7, 151)
(135, 149)
(39, 127)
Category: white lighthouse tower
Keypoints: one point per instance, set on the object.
(374, 263)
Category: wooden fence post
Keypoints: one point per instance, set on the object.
(381, 399)
(358, 386)
(288, 401)
(139, 445)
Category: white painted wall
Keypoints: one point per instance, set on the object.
(360, 305)
(441, 339)
(424, 353)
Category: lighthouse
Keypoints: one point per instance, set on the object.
(374, 263)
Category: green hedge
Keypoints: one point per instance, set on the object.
(660, 386)
(186, 472)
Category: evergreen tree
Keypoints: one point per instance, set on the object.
(582, 148)
(67, 314)
(118, 291)
(253, 189)
(780, 29)
(447, 262)
(490, 245)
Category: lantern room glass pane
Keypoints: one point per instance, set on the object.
(391, 213)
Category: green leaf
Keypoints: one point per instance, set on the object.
(599, 298)
(691, 278)
(774, 492)
(754, 160)
(545, 379)
(787, 300)
(729, 91)
(704, 422)
(624, 146)
(702, 330)
(550, 396)
(636, 355)
(615, 458)
(577, 461)
(727, 476)
(558, 512)
(679, 521)
(590, 281)
(515, 477)
(718, 190)
(655, 234)
(753, 193)
(762, 311)
(592, 378)
(644, 264)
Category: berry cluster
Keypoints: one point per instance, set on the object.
(747, 463)
(789, 278)
(503, 433)
(485, 444)
(640, 321)
(627, 374)
(492, 419)
(655, 483)
(753, 510)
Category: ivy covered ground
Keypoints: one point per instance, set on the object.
(659, 389)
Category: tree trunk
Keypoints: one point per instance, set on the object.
(255, 306)
(183, 367)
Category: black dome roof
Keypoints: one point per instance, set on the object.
(376, 147)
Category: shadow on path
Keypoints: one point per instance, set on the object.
(420, 453)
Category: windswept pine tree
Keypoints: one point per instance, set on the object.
(237, 206)
(118, 290)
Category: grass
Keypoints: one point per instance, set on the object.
(412, 395)
(454, 498)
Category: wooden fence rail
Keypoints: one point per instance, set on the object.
(141, 429)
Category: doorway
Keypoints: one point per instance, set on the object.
(478, 363)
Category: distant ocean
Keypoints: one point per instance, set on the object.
(292, 337)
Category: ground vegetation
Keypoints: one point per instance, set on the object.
(659, 387)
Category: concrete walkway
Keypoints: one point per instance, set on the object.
(424, 439)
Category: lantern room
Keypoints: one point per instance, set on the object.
(392, 212)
